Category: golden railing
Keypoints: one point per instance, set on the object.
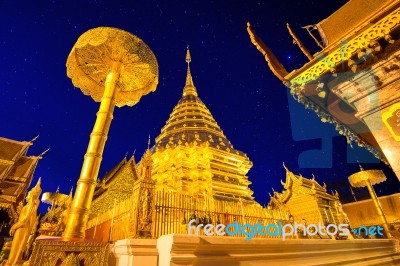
(171, 213)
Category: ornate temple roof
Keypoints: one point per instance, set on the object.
(349, 17)
(116, 174)
(191, 121)
(16, 172)
(330, 80)
(298, 185)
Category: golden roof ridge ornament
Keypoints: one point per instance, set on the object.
(189, 88)
(297, 42)
(276, 67)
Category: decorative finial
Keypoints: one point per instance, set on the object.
(188, 58)
(361, 168)
(134, 152)
(35, 138)
(309, 28)
(189, 86)
(336, 193)
(297, 41)
(126, 155)
(70, 192)
(276, 67)
(43, 153)
(36, 190)
(58, 189)
(148, 143)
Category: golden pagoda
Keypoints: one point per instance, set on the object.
(193, 155)
(192, 172)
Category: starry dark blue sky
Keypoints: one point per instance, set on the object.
(231, 76)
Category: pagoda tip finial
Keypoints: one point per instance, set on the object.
(148, 143)
(361, 168)
(188, 57)
(189, 88)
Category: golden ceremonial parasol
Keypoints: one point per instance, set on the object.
(368, 178)
(117, 68)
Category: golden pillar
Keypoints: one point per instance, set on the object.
(115, 68)
(79, 212)
(368, 178)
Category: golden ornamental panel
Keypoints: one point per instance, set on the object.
(56, 252)
(347, 49)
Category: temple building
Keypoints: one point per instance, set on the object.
(353, 81)
(16, 172)
(308, 202)
(191, 172)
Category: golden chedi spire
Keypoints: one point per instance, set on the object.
(192, 154)
(189, 88)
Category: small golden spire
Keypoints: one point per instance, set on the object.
(189, 86)
(148, 143)
(188, 58)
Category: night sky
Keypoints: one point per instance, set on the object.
(251, 106)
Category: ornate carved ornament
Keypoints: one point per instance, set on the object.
(52, 253)
(366, 39)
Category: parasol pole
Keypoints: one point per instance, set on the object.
(79, 211)
(378, 208)
(367, 178)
